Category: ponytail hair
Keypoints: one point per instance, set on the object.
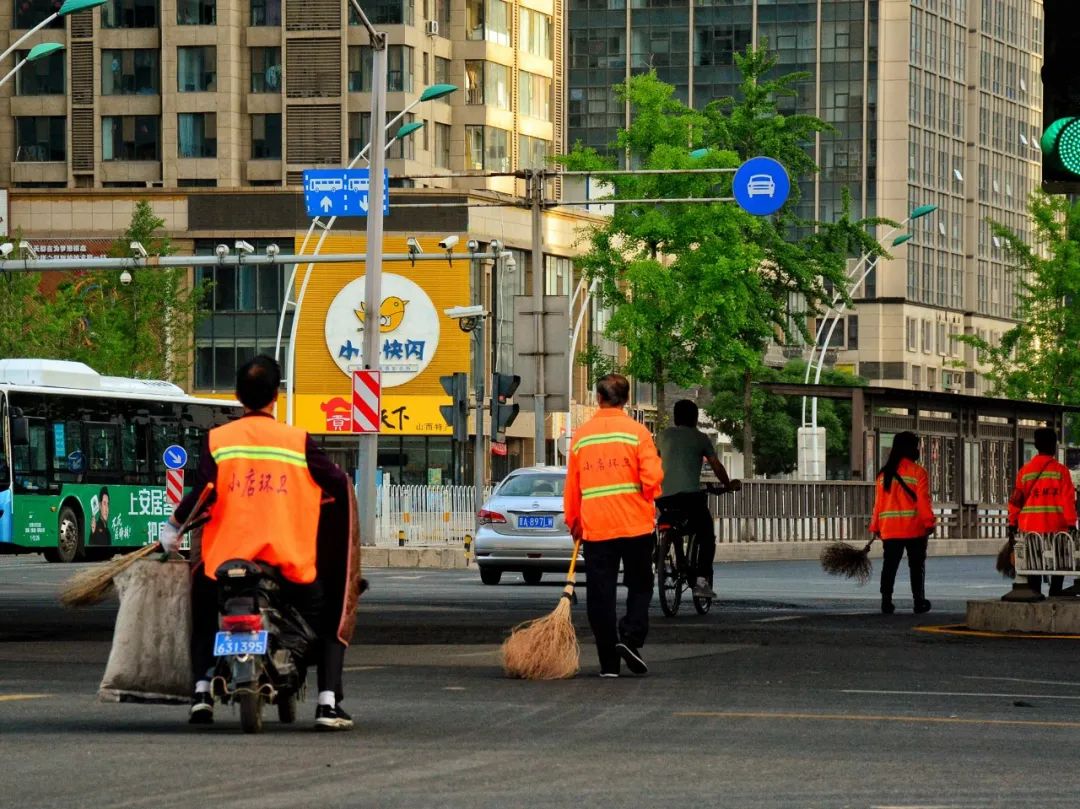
(905, 446)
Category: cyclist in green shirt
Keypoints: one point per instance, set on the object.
(682, 450)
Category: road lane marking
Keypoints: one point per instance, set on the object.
(16, 697)
(1019, 680)
(777, 619)
(404, 578)
(960, 629)
(955, 694)
(942, 720)
(362, 668)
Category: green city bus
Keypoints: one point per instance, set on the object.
(86, 475)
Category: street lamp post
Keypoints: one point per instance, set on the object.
(69, 7)
(36, 52)
(812, 468)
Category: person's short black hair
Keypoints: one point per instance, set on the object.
(103, 493)
(613, 390)
(685, 413)
(1046, 440)
(257, 382)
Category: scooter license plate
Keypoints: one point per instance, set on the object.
(240, 643)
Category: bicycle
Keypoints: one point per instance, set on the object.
(675, 554)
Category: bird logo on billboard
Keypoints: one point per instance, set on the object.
(391, 313)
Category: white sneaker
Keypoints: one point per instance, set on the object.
(702, 589)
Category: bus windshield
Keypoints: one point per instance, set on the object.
(5, 469)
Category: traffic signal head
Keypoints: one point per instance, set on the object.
(502, 413)
(456, 414)
(1060, 141)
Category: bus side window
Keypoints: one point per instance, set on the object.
(68, 460)
(32, 460)
(104, 448)
(164, 436)
(193, 440)
(133, 452)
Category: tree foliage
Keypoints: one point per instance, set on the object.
(776, 419)
(144, 328)
(1039, 357)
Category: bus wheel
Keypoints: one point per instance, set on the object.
(69, 541)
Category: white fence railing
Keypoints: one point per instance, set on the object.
(425, 515)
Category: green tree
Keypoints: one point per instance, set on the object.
(776, 419)
(1039, 357)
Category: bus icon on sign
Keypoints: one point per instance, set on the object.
(325, 184)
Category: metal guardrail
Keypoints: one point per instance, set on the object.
(425, 515)
(1055, 554)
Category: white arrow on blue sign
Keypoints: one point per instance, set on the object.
(761, 186)
(341, 192)
(175, 457)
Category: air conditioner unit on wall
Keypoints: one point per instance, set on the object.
(431, 28)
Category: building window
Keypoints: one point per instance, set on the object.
(196, 12)
(852, 332)
(442, 70)
(43, 77)
(912, 334)
(487, 19)
(41, 139)
(265, 70)
(29, 13)
(404, 149)
(197, 134)
(359, 131)
(130, 137)
(196, 69)
(927, 337)
(442, 146)
(487, 83)
(399, 69)
(535, 94)
(130, 72)
(559, 272)
(265, 12)
(129, 14)
(386, 12)
(535, 34)
(487, 148)
(532, 152)
(266, 137)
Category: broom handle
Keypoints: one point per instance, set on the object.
(573, 562)
(204, 495)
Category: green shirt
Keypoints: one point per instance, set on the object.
(682, 450)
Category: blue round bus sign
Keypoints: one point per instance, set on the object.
(761, 186)
(175, 457)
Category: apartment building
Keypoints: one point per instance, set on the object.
(240, 93)
(934, 102)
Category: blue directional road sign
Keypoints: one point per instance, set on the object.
(761, 186)
(175, 457)
(341, 192)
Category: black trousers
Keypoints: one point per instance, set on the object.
(602, 575)
(306, 598)
(916, 558)
(695, 507)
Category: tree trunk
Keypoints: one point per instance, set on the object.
(748, 430)
(661, 398)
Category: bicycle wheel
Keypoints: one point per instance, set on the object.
(702, 605)
(668, 582)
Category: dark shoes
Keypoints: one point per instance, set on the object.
(921, 606)
(335, 718)
(202, 709)
(632, 657)
(887, 607)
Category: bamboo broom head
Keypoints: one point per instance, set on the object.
(1006, 561)
(89, 587)
(841, 559)
(544, 648)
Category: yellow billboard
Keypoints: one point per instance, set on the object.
(418, 342)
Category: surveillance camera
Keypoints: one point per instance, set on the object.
(511, 262)
(473, 245)
(138, 249)
(413, 245)
(464, 312)
(244, 248)
(272, 250)
(448, 243)
(221, 250)
(6, 249)
(125, 278)
(495, 246)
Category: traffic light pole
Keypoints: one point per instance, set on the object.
(539, 414)
(478, 444)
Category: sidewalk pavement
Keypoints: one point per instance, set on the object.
(446, 557)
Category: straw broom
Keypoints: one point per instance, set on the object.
(546, 648)
(1006, 560)
(841, 559)
(92, 586)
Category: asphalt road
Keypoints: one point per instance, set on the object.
(793, 692)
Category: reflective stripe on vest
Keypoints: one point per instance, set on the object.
(606, 438)
(1043, 475)
(885, 515)
(1042, 510)
(256, 453)
(591, 492)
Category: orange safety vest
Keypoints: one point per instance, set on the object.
(267, 506)
(896, 514)
(1044, 499)
(612, 477)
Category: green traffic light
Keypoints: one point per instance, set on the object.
(1068, 147)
